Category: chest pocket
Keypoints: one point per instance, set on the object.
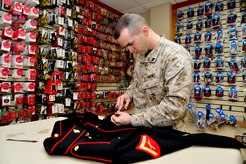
(153, 89)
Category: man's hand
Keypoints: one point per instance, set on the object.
(121, 118)
(123, 101)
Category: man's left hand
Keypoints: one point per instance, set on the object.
(121, 118)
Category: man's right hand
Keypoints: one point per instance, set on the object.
(123, 102)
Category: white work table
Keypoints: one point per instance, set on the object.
(12, 152)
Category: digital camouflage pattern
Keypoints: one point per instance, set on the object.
(161, 86)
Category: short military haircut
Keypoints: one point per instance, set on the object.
(133, 22)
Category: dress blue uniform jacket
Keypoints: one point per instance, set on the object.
(85, 136)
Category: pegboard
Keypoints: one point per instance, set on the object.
(237, 105)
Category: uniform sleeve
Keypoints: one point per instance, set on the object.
(178, 84)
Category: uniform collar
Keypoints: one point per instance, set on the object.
(152, 56)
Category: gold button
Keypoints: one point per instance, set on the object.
(56, 135)
(87, 134)
(76, 148)
(76, 131)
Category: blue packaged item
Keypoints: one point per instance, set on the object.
(198, 51)
(233, 93)
(231, 18)
(200, 10)
(208, 8)
(197, 64)
(207, 91)
(208, 36)
(197, 77)
(233, 32)
(234, 46)
(231, 4)
(231, 77)
(219, 63)
(219, 91)
(188, 39)
(219, 6)
(219, 35)
(219, 78)
(219, 48)
(178, 39)
(199, 25)
(179, 27)
(208, 50)
(180, 14)
(201, 121)
(216, 20)
(189, 25)
(208, 110)
(206, 63)
(197, 37)
(198, 92)
(190, 13)
(208, 78)
(208, 22)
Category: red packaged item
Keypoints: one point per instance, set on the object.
(34, 13)
(5, 45)
(4, 72)
(7, 33)
(19, 35)
(6, 5)
(16, 8)
(5, 60)
(5, 87)
(29, 99)
(28, 113)
(12, 115)
(86, 77)
(18, 100)
(29, 86)
(21, 114)
(17, 61)
(17, 87)
(18, 48)
(26, 10)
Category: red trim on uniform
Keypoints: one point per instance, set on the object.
(74, 142)
(118, 130)
(62, 139)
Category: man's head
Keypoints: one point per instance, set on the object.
(132, 32)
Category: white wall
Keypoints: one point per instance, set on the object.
(159, 19)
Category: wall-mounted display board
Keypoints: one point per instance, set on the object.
(214, 32)
(58, 57)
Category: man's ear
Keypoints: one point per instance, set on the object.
(145, 30)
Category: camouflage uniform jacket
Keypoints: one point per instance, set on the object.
(161, 86)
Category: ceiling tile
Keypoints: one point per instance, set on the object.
(119, 4)
(142, 1)
(137, 9)
(154, 3)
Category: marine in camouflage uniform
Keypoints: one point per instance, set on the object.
(161, 86)
(162, 81)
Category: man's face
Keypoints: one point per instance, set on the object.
(134, 43)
